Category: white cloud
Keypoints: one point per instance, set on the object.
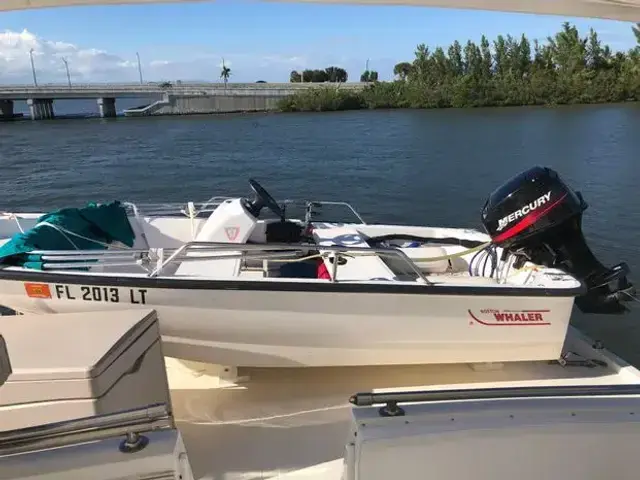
(159, 63)
(88, 64)
(85, 64)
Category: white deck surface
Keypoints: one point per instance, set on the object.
(286, 420)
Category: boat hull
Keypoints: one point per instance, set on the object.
(301, 326)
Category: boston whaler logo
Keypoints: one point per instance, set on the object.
(537, 203)
(495, 317)
(232, 233)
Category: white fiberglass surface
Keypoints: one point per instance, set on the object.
(297, 417)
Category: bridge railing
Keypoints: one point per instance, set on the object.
(173, 86)
(115, 90)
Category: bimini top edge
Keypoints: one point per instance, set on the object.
(623, 10)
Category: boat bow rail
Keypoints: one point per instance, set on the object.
(195, 210)
(198, 209)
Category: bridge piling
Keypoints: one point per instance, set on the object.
(6, 109)
(107, 107)
(41, 108)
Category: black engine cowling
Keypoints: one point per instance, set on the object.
(539, 217)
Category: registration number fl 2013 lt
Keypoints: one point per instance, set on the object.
(101, 294)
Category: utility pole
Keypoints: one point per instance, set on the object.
(66, 65)
(33, 68)
(139, 67)
(366, 68)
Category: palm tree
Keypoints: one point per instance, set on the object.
(403, 70)
(225, 73)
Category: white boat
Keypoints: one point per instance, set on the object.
(236, 289)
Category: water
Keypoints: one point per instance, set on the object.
(417, 167)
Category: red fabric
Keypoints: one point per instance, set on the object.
(322, 271)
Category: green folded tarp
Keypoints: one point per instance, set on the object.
(98, 224)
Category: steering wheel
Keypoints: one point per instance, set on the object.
(263, 199)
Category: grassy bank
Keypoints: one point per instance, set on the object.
(567, 69)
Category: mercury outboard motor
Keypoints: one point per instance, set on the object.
(538, 217)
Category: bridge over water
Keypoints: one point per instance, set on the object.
(176, 98)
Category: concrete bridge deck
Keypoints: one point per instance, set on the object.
(178, 98)
(122, 90)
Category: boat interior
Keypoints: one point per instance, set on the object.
(299, 423)
(255, 239)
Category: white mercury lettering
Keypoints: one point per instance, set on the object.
(537, 203)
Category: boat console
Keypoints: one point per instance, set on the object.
(235, 221)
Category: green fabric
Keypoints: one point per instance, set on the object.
(105, 223)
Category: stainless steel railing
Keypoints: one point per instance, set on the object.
(74, 259)
(337, 251)
(127, 424)
(392, 399)
(159, 209)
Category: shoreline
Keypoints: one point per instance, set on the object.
(319, 106)
(408, 96)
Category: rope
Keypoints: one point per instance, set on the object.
(61, 231)
(13, 216)
(453, 255)
(192, 214)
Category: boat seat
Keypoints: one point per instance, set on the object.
(358, 267)
(209, 267)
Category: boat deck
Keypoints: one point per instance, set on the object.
(296, 421)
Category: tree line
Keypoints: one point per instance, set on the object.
(568, 68)
(329, 74)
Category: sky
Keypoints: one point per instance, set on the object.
(258, 40)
